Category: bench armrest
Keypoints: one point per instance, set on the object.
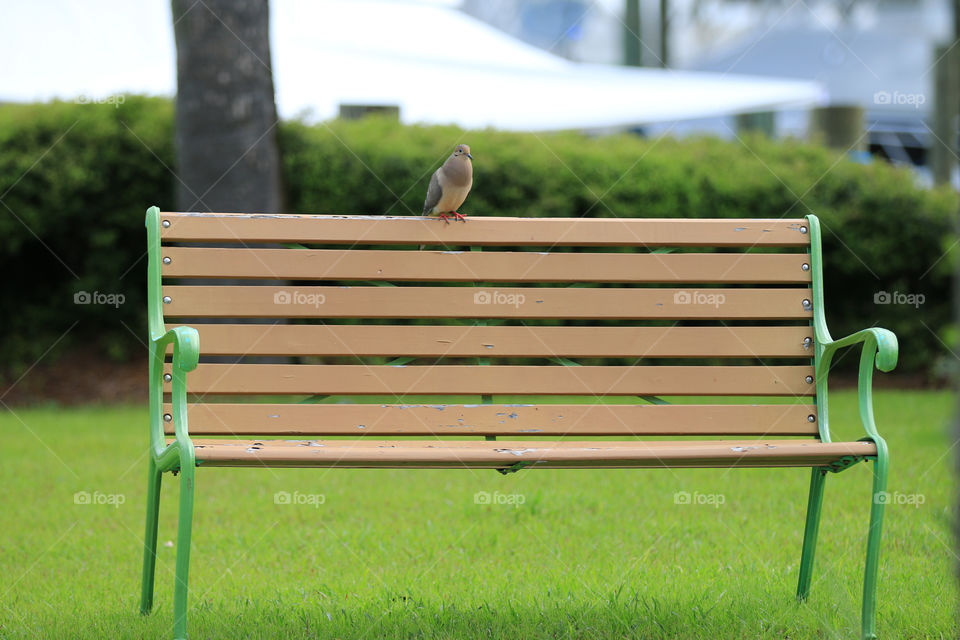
(186, 354)
(186, 347)
(886, 346)
(880, 350)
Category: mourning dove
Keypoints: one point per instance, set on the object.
(450, 185)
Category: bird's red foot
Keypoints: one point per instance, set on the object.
(445, 218)
(459, 217)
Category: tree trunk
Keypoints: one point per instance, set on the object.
(228, 160)
(946, 99)
(632, 37)
(227, 154)
(664, 33)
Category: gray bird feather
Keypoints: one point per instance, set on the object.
(434, 193)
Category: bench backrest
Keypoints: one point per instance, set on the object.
(610, 311)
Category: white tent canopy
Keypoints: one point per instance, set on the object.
(436, 64)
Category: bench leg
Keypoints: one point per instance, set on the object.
(150, 538)
(878, 502)
(184, 529)
(818, 477)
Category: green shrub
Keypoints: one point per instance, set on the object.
(75, 180)
(882, 232)
(81, 198)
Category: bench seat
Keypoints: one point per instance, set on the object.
(503, 454)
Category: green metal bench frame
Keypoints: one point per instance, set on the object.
(879, 349)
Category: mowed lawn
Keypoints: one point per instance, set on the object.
(411, 554)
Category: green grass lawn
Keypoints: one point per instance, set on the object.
(410, 554)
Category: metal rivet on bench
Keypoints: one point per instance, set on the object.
(804, 266)
(167, 377)
(803, 229)
(811, 418)
(167, 417)
(806, 304)
(808, 379)
(168, 300)
(167, 260)
(807, 342)
(166, 223)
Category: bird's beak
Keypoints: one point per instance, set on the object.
(470, 156)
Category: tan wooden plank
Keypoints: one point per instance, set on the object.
(755, 463)
(514, 447)
(491, 266)
(498, 420)
(484, 230)
(741, 463)
(540, 454)
(476, 302)
(507, 341)
(460, 379)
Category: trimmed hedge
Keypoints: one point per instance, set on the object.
(81, 196)
(75, 180)
(882, 232)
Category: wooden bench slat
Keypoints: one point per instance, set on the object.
(484, 231)
(494, 379)
(474, 302)
(501, 454)
(505, 341)
(498, 266)
(498, 420)
(513, 447)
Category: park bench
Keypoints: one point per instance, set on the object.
(651, 307)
